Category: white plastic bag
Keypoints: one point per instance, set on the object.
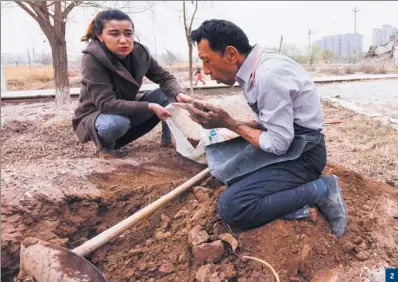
(182, 127)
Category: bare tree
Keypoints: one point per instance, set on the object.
(314, 55)
(52, 17)
(291, 50)
(327, 54)
(27, 51)
(188, 29)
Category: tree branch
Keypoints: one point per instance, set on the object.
(184, 11)
(69, 8)
(41, 18)
(26, 9)
(193, 16)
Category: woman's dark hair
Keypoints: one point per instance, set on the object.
(97, 24)
(221, 34)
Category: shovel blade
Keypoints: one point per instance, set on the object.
(46, 262)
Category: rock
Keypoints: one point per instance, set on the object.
(200, 216)
(160, 235)
(305, 258)
(294, 279)
(203, 273)
(208, 252)
(217, 228)
(165, 221)
(363, 246)
(357, 249)
(148, 242)
(143, 266)
(243, 279)
(198, 235)
(214, 278)
(354, 229)
(313, 215)
(129, 273)
(228, 271)
(349, 247)
(101, 228)
(181, 213)
(257, 276)
(366, 207)
(202, 194)
(166, 268)
(152, 266)
(181, 258)
(357, 240)
(135, 252)
(100, 254)
(230, 240)
(362, 255)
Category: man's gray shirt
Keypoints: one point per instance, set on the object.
(281, 94)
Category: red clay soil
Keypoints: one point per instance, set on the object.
(161, 249)
(186, 241)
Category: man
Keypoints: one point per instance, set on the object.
(274, 169)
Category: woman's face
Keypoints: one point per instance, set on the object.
(118, 36)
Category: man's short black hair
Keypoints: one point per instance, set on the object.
(220, 34)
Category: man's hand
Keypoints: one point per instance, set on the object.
(182, 98)
(209, 116)
(160, 112)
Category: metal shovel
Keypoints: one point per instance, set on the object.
(44, 262)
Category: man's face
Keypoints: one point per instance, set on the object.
(220, 67)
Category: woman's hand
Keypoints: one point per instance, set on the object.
(182, 98)
(160, 112)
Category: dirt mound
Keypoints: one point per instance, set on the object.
(186, 241)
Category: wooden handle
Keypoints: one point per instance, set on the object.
(111, 233)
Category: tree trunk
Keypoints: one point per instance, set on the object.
(190, 69)
(61, 77)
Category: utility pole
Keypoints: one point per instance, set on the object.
(280, 45)
(27, 51)
(355, 10)
(309, 45)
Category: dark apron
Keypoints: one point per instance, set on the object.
(233, 159)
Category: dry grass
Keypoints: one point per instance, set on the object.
(29, 74)
(332, 70)
(362, 144)
(350, 70)
(372, 68)
(32, 77)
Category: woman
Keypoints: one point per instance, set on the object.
(110, 112)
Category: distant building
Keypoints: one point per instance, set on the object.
(383, 35)
(342, 45)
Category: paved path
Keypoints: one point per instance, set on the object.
(376, 99)
(210, 84)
